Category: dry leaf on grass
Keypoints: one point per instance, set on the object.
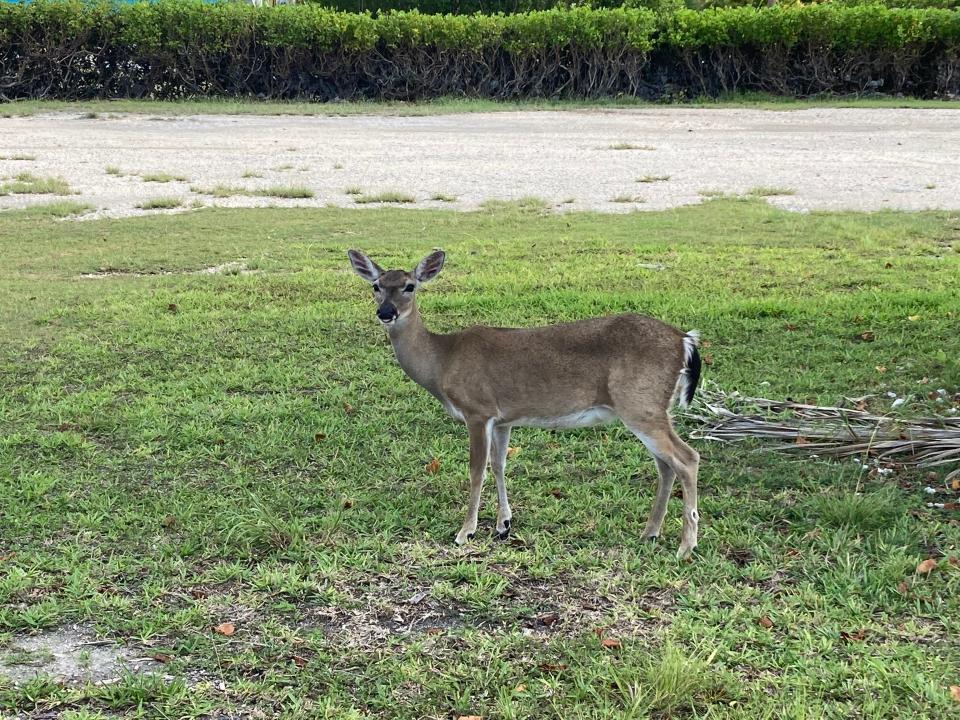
(227, 628)
(511, 451)
(520, 688)
(469, 717)
(955, 692)
(610, 643)
(765, 622)
(433, 467)
(927, 566)
(552, 667)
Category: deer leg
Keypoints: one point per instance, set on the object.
(664, 444)
(479, 453)
(658, 511)
(498, 461)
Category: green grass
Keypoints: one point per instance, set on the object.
(179, 449)
(18, 156)
(445, 105)
(113, 170)
(653, 178)
(57, 209)
(29, 184)
(163, 178)
(284, 191)
(353, 190)
(161, 203)
(387, 196)
(443, 197)
(529, 204)
(769, 191)
(281, 191)
(623, 198)
(252, 174)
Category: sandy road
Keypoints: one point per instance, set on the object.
(827, 158)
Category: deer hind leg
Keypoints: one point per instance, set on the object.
(480, 433)
(667, 447)
(658, 511)
(498, 461)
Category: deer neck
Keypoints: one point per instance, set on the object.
(419, 351)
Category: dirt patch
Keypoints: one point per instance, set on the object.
(70, 655)
(830, 158)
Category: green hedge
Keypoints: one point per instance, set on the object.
(174, 48)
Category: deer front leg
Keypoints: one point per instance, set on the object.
(498, 461)
(479, 454)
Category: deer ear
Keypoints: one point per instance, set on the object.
(430, 266)
(364, 266)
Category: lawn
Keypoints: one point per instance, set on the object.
(201, 423)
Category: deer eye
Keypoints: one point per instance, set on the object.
(410, 288)
(376, 287)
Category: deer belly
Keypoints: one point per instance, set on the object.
(581, 418)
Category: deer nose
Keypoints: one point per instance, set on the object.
(387, 312)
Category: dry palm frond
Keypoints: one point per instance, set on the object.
(828, 431)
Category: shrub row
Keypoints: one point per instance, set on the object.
(69, 49)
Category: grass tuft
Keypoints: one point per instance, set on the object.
(629, 146)
(769, 191)
(18, 157)
(58, 209)
(163, 178)
(443, 197)
(161, 203)
(28, 184)
(388, 196)
(528, 205)
(653, 178)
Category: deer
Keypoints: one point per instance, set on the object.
(576, 374)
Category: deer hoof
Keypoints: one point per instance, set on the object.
(505, 533)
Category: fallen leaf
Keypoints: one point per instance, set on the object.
(801, 440)
(888, 265)
(557, 492)
(433, 467)
(161, 658)
(861, 405)
(868, 336)
(855, 636)
(707, 359)
(913, 318)
(790, 327)
(765, 622)
(511, 451)
(433, 631)
(610, 643)
(168, 521)
(927, 566)
(347, 504)
(552, 667)
(172, 307)
(347, 407)
(548, 619)
(955, 484)
(705, 344)
(520, 688)
(299, 661)
(599, 631)
(955, 692)
(317, 437)
(881, 369)
(951, 506)
(227, 628)
(903, 588)
(953, 561)
(469, 717)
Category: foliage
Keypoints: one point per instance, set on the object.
(71, 49)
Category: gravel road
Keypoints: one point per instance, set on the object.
(823, 158)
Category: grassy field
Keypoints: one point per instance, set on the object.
(201, 422)
(443, 106)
